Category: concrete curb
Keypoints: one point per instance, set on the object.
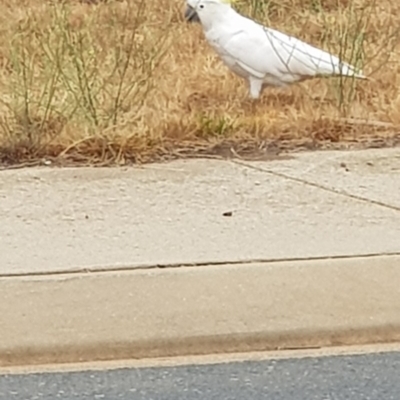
(199, 310)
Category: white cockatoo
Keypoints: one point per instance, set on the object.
(263, 56)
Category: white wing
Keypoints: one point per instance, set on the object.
(262, 51)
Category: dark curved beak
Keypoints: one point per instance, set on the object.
(191, 15)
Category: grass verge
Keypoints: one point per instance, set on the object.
(129, 81)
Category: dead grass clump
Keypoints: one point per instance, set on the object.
(129, 81)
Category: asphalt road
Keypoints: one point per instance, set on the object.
(357, 377)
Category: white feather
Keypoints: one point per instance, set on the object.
(262, 55)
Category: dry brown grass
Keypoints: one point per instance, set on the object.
(130, 81)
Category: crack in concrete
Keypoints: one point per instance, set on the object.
(141, 267)
(319, 186)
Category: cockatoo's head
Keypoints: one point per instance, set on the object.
(202, 10)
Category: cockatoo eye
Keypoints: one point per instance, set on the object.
(201, 6)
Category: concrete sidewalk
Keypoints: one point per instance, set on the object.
(66, 219)
(327, 205)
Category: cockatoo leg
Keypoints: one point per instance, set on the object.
(255, 87)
